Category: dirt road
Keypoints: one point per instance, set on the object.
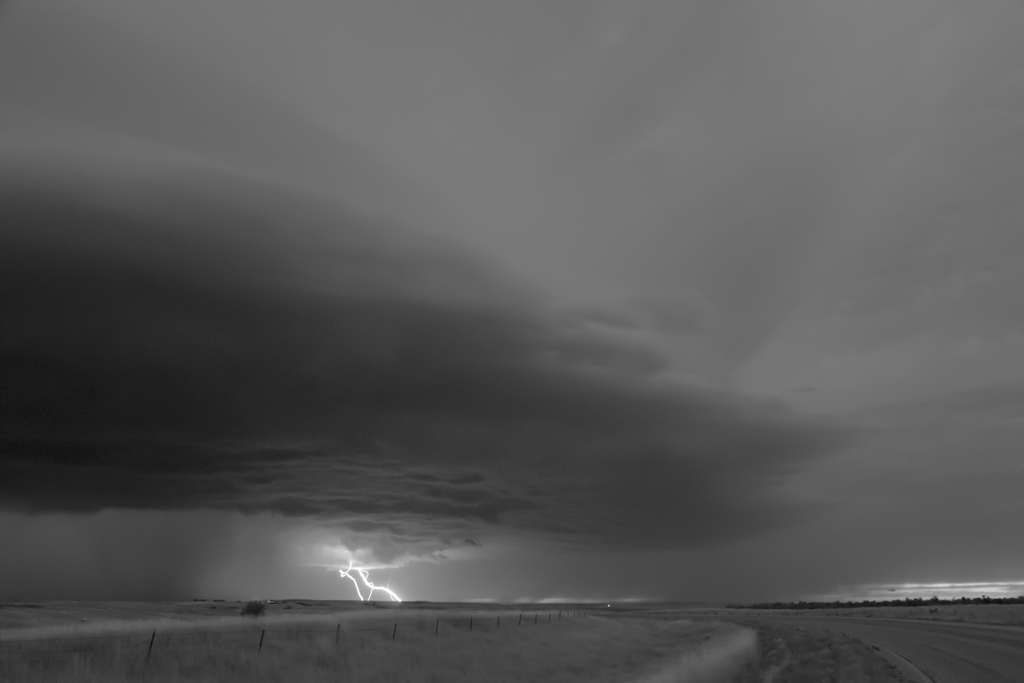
(945, 652)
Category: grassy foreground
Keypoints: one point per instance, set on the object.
(353, 642)
(369, 648)
(793, 654)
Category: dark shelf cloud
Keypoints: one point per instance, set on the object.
(182, 340)
(704, 300)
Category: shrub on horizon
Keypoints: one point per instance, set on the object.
(254, 608)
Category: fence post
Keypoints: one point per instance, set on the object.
(535, 618)
(499, 621)
(436, 625)
(520, 618)
(150, 650)
(260, 648)
(559, 615)
(394, 631)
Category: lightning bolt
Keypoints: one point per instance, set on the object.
(364, 574)
(347, 574)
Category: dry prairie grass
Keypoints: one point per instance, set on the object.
(793, 654)
(337, 647)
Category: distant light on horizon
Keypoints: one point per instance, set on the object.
(942, 590)
(581, 601)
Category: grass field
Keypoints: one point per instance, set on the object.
(792, 654)
(305, 640)
(350, 642)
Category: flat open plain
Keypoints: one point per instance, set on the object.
(312, 640)
(962, 644)
(349, 641)
(945, 652)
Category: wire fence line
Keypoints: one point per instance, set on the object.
(34, 650)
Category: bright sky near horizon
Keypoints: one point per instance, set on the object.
(693, 300)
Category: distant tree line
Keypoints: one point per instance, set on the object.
(907, 602)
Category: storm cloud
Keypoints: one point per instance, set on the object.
(176, 338)
(726, 291)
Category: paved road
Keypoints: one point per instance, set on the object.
(946, 652)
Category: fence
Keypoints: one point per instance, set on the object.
(149, 643)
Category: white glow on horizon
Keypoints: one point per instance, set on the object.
(561, 600)
(944, 590)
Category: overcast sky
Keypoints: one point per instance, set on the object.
(693, 300)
